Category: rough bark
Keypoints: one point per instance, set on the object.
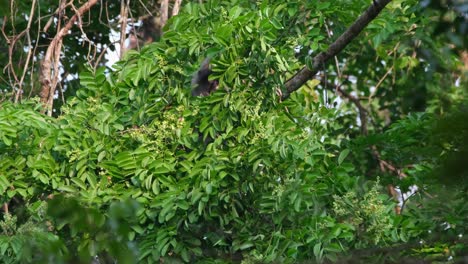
(176, 8)
(123, 26)
(48, 78)
(164, 13)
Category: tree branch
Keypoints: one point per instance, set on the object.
(176, 8)
(336, 47)
(384, 165)
(47, 78)
(164, 13)
(123, 26)
(361, 109)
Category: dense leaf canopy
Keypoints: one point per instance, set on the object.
(132, 167)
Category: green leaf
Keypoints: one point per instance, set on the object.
(7, 140)
(318, 250)
(4, 183)
(297, 204)
(101, 156)
(209, 188)
(79, 183)
(246, 245)
(67, 188)
(343, 156)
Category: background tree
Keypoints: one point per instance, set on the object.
(44, 41)
(125, 171)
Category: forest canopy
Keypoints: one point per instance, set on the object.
(333, 131)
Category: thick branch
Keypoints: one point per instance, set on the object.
(5, 208)
(49, 80)
(336, 47)
(164, 13)
(123, 26)
(176, 8)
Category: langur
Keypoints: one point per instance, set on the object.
(201, 85)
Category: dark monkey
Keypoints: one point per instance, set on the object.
(149, 31)
(202, 86)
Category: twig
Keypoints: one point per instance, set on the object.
(58, 12)
(31, 80)
(387, 166)
(393, 51)
(380, 82)
(28, 56)
(91, 45)
(146, 8)
(99, 58)
(336, 58)
(363, 112)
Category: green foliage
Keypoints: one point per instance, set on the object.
(139, 169)
(29, 242)
(369, 215)
(89, 233)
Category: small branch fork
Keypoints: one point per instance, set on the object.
(50, 65)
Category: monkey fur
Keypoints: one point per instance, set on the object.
(202, 86)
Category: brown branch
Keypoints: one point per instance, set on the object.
(336, 47)
(17, 82)
(164, 13)
(337, 64)
(5, 208)
(9, 67)
(176, 8)
(384, 166)
(305, 74)
(57, 13)
(123, 26)
(91, 46)
(380, 82)
(149, 13)
(99, 58)
(363, 112)
(49, 79)
(29, 55)
(33, 62)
